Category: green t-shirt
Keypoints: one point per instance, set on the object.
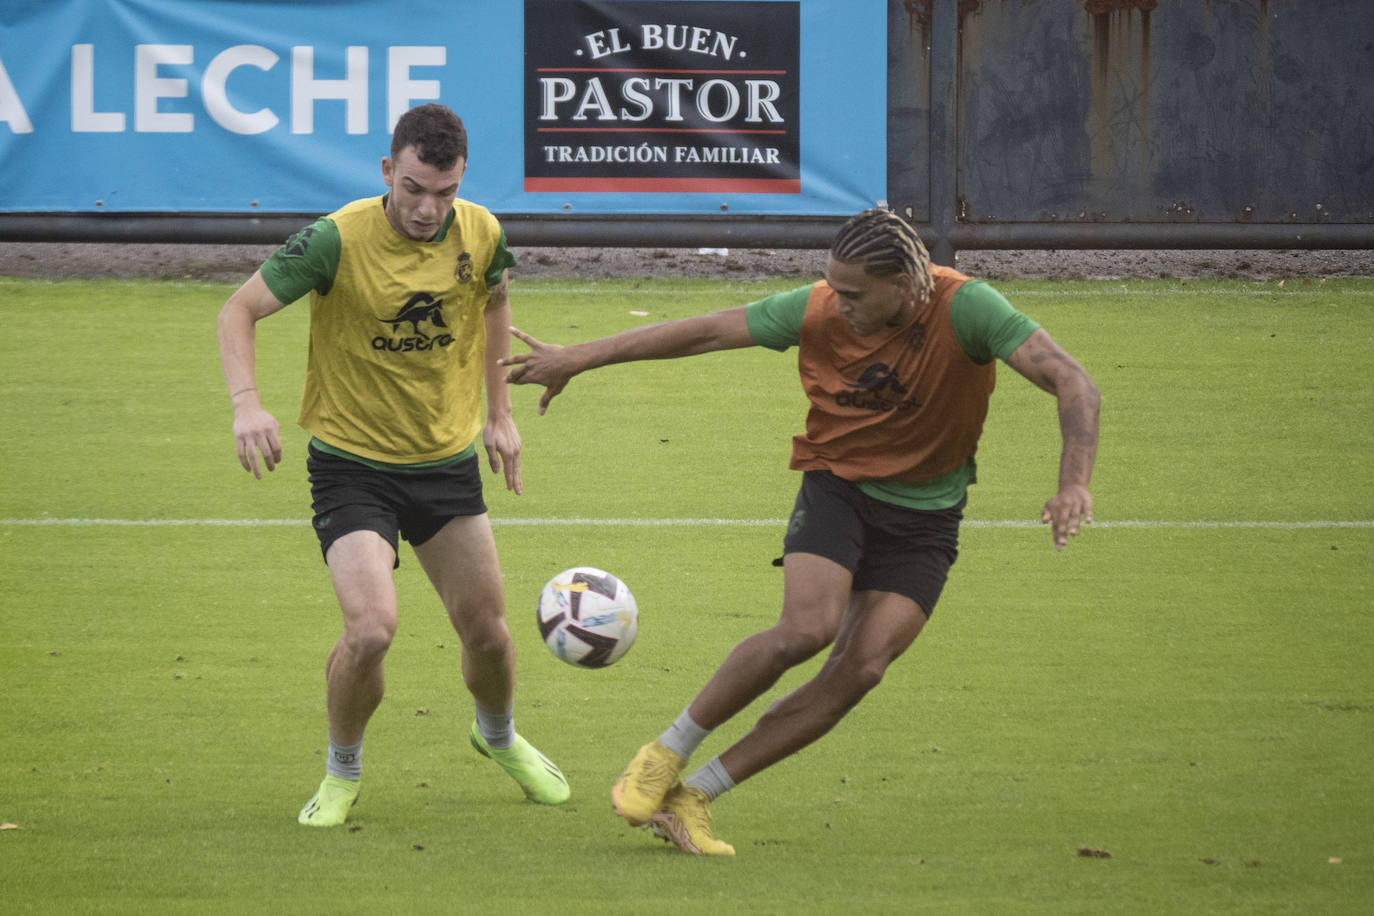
(987, 327)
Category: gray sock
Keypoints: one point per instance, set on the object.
(711, 779)
(345, 761)
(683, 736)
(497, 730)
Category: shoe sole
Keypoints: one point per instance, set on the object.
(665, 828)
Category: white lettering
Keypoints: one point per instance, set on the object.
(724, 46)
(152, 85)
(401, 89)
(732, 155)
(594, 99)
(11, 108)
(695, 39)
(596, 42)
(717, 100)
(631, 92)
(731, 100)
(762, 95)
(552, 91)
(214, 89)
(85, 119)
(674, 87)
(306, 90)
(149, 87)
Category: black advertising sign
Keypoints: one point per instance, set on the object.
(642, 96)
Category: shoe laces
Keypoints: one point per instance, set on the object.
(658, 771)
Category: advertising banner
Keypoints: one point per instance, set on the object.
(708, 104)
(586, 106)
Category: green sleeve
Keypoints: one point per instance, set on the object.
(986, 324)
(500, 261)
(309, 260)
(775, 321)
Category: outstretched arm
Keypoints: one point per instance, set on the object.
(1050, 368)
(553, 366)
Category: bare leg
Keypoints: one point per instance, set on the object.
(878, 627)
(462, 563)
(360, 564)
(815, 595)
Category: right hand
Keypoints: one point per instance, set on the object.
(545, 364)
(257, 432)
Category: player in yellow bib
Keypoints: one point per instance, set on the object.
(409, 308)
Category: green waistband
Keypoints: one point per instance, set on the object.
(328, 449)
(941, 493)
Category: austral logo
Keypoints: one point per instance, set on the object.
(663, 96)
(878, 389)
(421, 309)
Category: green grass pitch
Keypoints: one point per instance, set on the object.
(1175, 715)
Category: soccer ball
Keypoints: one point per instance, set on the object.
(588, 617)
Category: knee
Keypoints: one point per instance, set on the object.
(792, 645)
(368, 640)
(848, 680)
(483, 636)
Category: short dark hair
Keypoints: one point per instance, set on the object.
(438, 135)
(886, 245)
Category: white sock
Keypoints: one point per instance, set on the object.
(711, 779)
(498, 730)
(683, 736)
(345, 761)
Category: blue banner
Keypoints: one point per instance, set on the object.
(582, 106)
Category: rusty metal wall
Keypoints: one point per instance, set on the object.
(1119, 123)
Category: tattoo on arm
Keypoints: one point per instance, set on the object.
(499, 295)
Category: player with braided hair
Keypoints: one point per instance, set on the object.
(886, 245)
(897, 357)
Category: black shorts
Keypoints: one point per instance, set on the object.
(887, 547)
(348, 496)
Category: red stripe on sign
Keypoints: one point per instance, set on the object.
(660, 70)
(651, 130)
(669, 185)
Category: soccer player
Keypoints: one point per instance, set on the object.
(409, 309)
(897, 357)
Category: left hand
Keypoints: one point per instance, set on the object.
(1065, 510)
(502, 441)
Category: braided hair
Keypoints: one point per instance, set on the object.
(886, 245)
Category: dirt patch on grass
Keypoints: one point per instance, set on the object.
(234, 263)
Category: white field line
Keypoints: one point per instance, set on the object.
(1009, 287)
(648, 523)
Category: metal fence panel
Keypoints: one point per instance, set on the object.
(1211, 111)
